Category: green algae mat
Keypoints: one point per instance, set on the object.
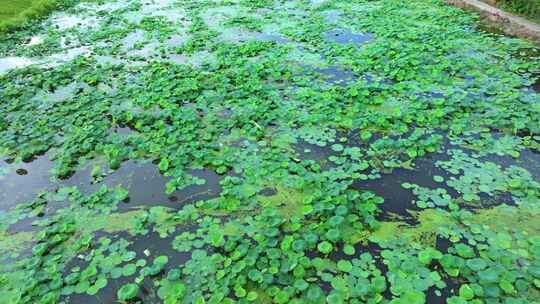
(243, 151)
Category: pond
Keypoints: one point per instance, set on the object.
(268, 152)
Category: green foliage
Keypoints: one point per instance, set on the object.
(17, 13)
(527, 8)
(127, 292)
(208, 97)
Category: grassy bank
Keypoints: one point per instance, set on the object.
(529, 9)
(17, 13)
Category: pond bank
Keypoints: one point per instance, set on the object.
(509, 23)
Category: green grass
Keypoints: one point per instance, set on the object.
(17, 13)
(529, 9)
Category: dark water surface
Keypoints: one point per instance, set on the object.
(151, 244)
(398, 200)
(146, 185)
(20, 182)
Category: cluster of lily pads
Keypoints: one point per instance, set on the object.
(238, 88)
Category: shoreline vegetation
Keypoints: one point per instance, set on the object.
(529, 9)
(15, 14)
(496, 16)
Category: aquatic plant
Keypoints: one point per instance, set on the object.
(207, 152)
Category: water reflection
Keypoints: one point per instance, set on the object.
(35, 40)
(146, 247)
(347, 36)
(332, 16)
(9, 63)
(21, 182)
(66, 22)
(335, 74)
(398, 200)
(271, 37)
(146, 184)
